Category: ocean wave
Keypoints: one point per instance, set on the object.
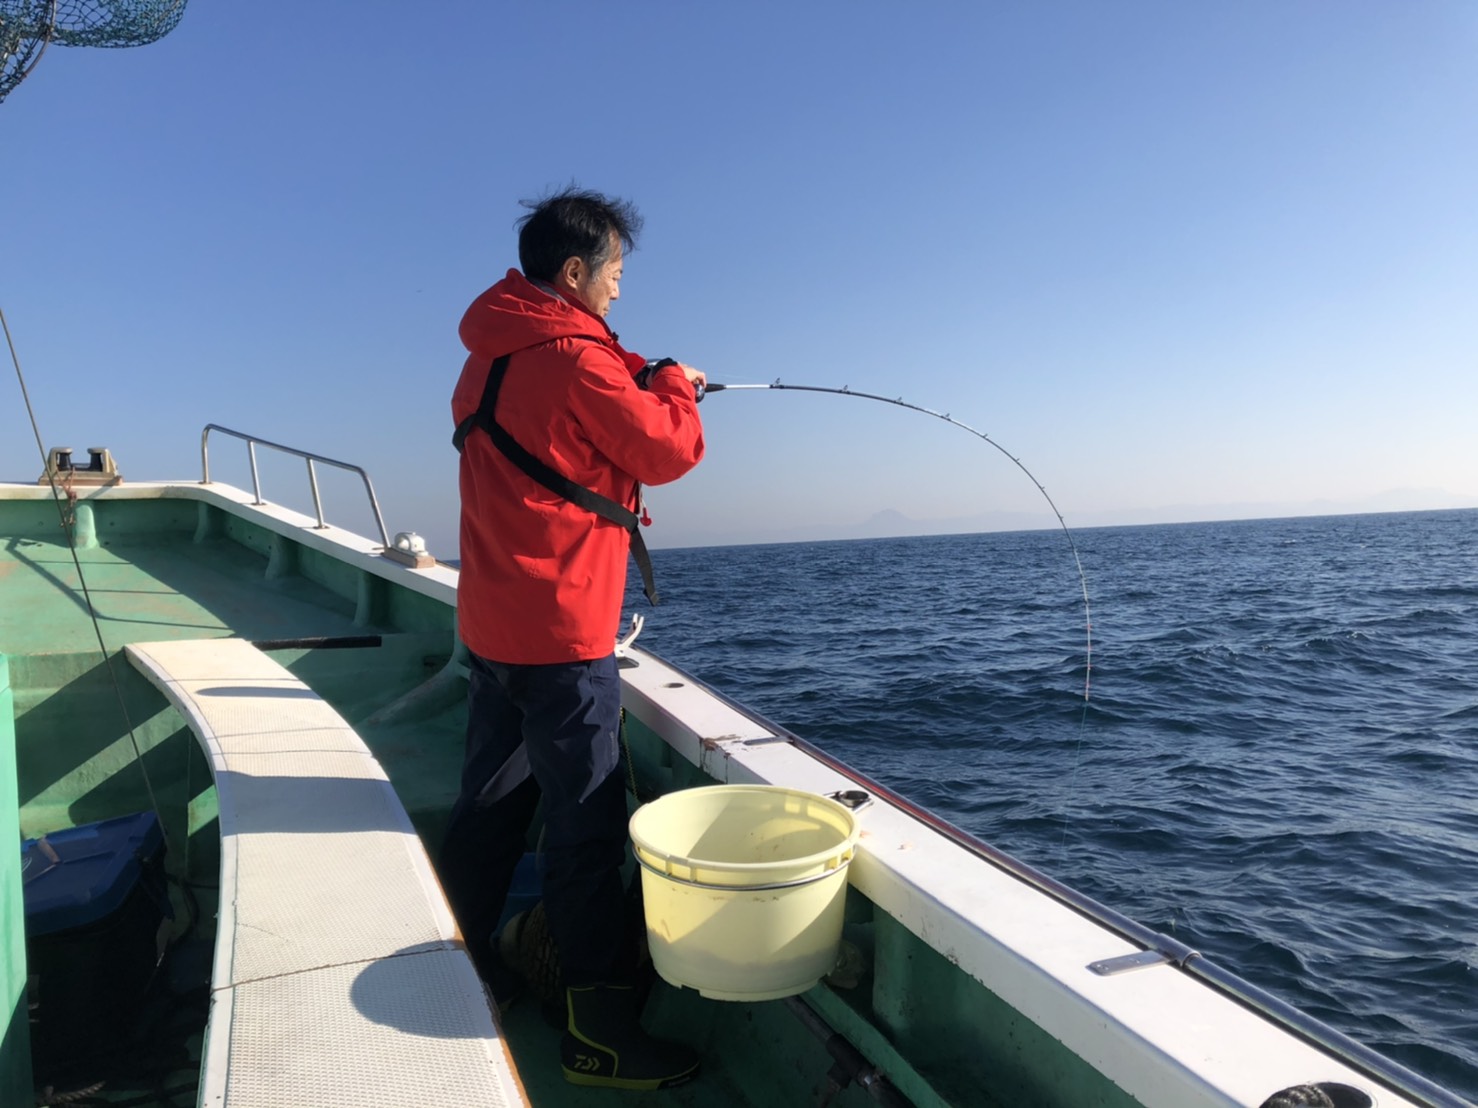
(1278, 761)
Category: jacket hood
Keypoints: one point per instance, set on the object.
(515, 314)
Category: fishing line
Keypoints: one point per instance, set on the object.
(899, 402)
(68, 522)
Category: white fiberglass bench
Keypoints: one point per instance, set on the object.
(339, 976)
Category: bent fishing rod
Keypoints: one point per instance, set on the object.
(898, 401)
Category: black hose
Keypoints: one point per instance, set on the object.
(850, 1062)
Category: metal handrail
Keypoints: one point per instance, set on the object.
(252, 442)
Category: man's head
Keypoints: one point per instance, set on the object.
(576, 241)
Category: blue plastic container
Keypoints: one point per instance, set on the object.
(524, 891)
(82, 875)
(97, 912)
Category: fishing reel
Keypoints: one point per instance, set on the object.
(651, 369)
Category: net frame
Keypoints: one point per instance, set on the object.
(28, 27)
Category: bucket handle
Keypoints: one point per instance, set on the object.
(793, 884)
(667, 865)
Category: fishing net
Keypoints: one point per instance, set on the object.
(27, 27)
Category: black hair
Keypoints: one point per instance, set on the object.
(575, 223)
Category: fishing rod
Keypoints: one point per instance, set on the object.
(899, 402)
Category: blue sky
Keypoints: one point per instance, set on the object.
(1184, 260)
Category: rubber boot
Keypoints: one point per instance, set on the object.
(605, 1045)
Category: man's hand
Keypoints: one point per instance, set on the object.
(695, 377)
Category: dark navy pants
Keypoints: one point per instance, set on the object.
(549, 732)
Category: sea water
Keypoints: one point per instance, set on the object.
(1277, 760)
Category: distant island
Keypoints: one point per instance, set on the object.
(890, 522)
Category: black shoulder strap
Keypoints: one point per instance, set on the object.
(550, 478)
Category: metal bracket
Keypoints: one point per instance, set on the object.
(409, 549)
(855, 799)
(637, 620)
(1143, 959)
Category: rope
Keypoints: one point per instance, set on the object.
(630, 762)
(64, 517)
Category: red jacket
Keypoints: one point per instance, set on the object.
(542, 580)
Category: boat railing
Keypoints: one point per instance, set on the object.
(252, 442)
(1157, 947)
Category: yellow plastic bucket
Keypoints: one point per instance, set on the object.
(744, 887)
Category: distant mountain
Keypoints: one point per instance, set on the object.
(890, 522)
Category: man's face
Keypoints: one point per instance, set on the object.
(598, 288)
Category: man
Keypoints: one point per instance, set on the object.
(539, 605)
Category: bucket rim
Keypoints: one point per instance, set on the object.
(830, 871)
(832, 859)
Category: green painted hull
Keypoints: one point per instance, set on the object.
(167, 569)
(15, 1050)
(384, 654)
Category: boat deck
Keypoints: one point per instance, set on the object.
(154, 577)
(160, 570)
(155, 589)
